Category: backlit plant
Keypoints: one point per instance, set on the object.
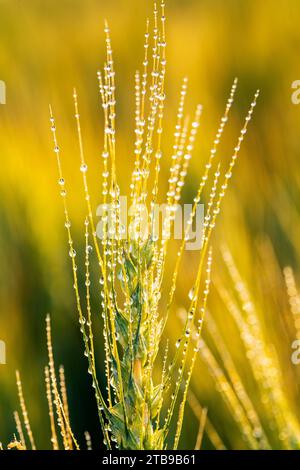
(137, 408)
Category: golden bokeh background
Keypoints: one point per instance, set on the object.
(47, 48)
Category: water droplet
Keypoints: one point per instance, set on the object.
(72, 253)
(192, 293)
(88, 249)
(83, 168)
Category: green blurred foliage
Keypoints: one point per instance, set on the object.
(46, 48)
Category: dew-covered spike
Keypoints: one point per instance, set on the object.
(24, 411)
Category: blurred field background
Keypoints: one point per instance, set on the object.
(46, 48)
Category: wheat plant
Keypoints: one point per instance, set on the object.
(147, 379)
(265, 418)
